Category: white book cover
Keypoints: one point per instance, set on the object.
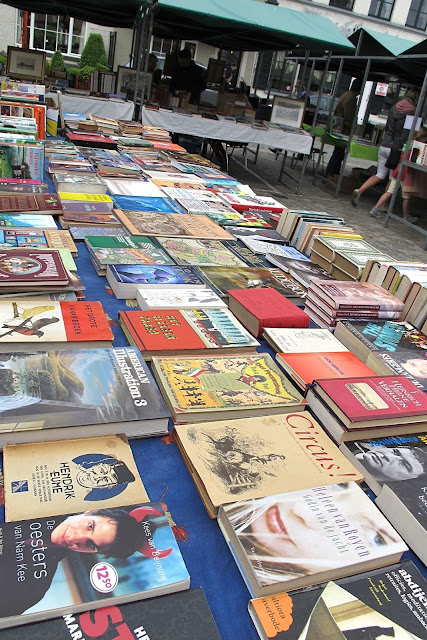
(308, 340)
(196, 194)
(122, 187)
(178, 299)
(177, 177)
(258, 246)
(193, 206)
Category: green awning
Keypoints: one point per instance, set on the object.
(376, 43)
(234, 24)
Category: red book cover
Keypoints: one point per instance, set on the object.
(347, 294)
(161, 330)
(268, 306)
(30, 202)
(381, 397)
(252, 203)
(169, 146)
(314, 366)
(31, 267)
(84, 321)
(79, 139)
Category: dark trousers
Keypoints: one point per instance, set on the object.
(335, 162)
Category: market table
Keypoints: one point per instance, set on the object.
(101, 107)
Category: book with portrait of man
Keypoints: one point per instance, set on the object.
(67, 476)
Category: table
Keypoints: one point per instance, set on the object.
(101, 107)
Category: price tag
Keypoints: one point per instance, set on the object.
(103, 577)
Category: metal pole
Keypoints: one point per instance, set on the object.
(304, 70)
(273, 62)
(141, 44)
(322, 85)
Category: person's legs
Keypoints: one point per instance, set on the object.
(335, 162)
(382, 173)
(407, 208)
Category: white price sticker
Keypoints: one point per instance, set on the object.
(103, 577)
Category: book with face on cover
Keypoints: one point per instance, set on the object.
(149, 223)
(189, 331)
(215, 387)
(301, 538)
(95, 554)
(69, 476)
(249, 458)
(185, 614)
(382, 603)
(199, 251)
(302, 270)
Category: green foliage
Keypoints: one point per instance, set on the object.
(93, 52)
(84, 72)
(2, 58)
(57, 61)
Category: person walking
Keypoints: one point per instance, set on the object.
(395, 136)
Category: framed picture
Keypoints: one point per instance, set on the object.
(126, 78)
(25, 63)
(288, 111)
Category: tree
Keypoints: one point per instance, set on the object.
(93, 53)
(57, 61)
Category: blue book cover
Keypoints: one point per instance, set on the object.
(153, 274)
(141, 203)
(40, 221)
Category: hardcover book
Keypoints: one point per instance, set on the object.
(37, 202)
(223, 279)
(261, 308)
(200, 252)
(40, 555)
(52, 394)
(150, 223)
(383, 603)
(47, 324)
(31, 267)
(387, 347)
(353, 296)
(218, 387)
(184, 614)
(192, 331)
(251, 458)
(242, 202)
(306, 340)
(301, 538)
(126, 279)
(178, 299)
(250, 259)
(52, 478)
(266, 235)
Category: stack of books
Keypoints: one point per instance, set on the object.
(344, 258)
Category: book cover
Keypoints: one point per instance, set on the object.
(302, 538)
(382, 397)
(222, 279)
(242, 202)
(330, 247)
(135, 188)
(383, 603)
(154, 276)
(36, 239)
(266, 235)
(86, 197)
(355, 295)
(46, 322)
(185, 614)
(86, 208)
(20, 220)
(178, 299)
(272, 248)
(30, 202)
(32, 267)
(73, 219)
(80, 232)
(22, 161)
(302, 270)
(250, 458)
(141, 203)
(198, 194)
(150, 223)
(199, 252)
(163, 332)
(246, 255)
(387, 347)
(146, 253)
(306, 367)
(306, 340)
(44, 392)
(42, 556)
(203, 388)
(101, 241)
(57, 477)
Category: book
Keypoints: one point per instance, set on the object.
(140, 188)
(242, 202)
(151, 223)
(334, 314)
(197, 252)
(376, 604)
(306, 340)
(246, 255)
(86, 208)
(63, 394)
(146, 253)
(174, 298)
(37, 239)
(126, 279)
(80, 232)
(103, 241)
(37, 202)
(25, 160)
(279, 543)
(354, 296)
(302, 270)
(157, 618)
(404, 505)
(303, 368)
(256, 233)
(84, 198)
(272, 248)
(330, 248)
(41, 324)
(218, 387)
(389, 459)
(387, 347)
(261, 308)
(74, 219)
(251, 458)
(353, 262)
(193, 331)
(55, 477)
(141, 203)
(72, 181)
(32, 268)
(72, 548)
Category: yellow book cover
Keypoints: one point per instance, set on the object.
(84, 197)
(69, 476)
(61, 239)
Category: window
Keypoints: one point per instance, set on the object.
(417, 15)
(162, 46)
(342, 4)
(49, 33)
(381, 9)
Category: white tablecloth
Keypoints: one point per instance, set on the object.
(230, 131)
(99, 107)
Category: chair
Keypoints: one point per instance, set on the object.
(315, 151)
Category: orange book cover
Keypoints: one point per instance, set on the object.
(85, 321)
(306, 367)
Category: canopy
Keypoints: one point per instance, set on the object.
(247, 25)
(376, 43)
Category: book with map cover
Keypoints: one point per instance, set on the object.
(197, 252)
(218, 387)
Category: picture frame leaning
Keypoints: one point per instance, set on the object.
(288, 112)
(126, 78)
(25, 63)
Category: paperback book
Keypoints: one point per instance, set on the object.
(22, 220)
(146, 253)
(126, 279)
(199, 252)
(38, 202)
(150, 223)
(306, 340)
(142, 203)
(37, 239)
(175, 298)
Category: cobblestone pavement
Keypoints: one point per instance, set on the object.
(397, 239)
